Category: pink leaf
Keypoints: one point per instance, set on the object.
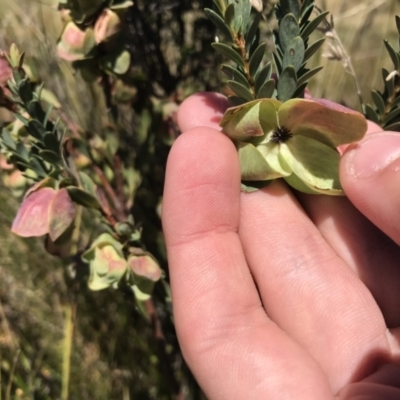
(61, 214)
(33, 215)
(145, 266)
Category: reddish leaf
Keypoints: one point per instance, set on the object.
(61, 214)
(145, 266)
(33, 215)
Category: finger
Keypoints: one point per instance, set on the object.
(370, 178)
(234, 350)
(363, 246)
(382, 384)
(202, 109)
(307, 290)
(371, 254)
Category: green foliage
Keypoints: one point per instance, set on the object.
(251, 79)
(40, 157)
(385, 110)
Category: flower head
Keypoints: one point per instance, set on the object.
(295, 140)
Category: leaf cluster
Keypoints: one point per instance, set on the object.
(251, 79)
(292, 47)
(41, 153)
(385, 110)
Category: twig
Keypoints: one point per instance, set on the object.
(14, 365)
(119, 179)
(164, 358)
(118, 206)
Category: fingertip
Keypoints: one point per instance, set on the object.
(202, 109)
(202, 185)
(369, 176)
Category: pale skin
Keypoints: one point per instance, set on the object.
(281, 295)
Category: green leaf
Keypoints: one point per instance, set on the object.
(251, 34)
(307, 8)
(236, 101)
(143, 292)
(219, 23)
(230, 15)
(25, 91)
(267, 89)
(296, 183)
(51, 142)
(308, 75)
(294, 54)
(37, 166)
(245, 12)
(235, 75)
(238, 24)
(311, 50)
(314, 163)
(253, 165)
(312, 25)
(7, 140)
(291, 6)
(378, 100)
(371, 114)
(36, 129)
(251, 119)
(252, 186)
(287, 83)
(220, 4)
(278, 63)
(18, 75)
(288, 30)
(241, 91)
(24, 120)
(322, 120)
(35, 110)
(50, 156)
(262, 76)
(16, 57)
(22, 151)
(398, 24)
(83, 198)
(117, 62)
(256, 58)
(393, 127)
(396, 101)
(393, 114)
(228, 52)
(393, 55)
(306, 4)
(300, 90)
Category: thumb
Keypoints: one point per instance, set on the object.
(370, 175)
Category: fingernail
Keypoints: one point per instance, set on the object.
(375, 154)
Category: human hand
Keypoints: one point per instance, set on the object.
(279, 295)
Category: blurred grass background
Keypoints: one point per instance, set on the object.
(36, 307)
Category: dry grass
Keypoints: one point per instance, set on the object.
(362, 27)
